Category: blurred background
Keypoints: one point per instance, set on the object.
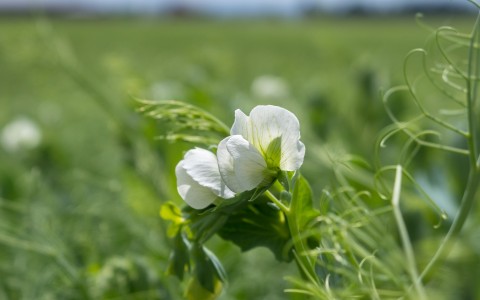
(238, 8)
(82, 174)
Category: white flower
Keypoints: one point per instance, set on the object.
(269, 87)
(259, 147)
(198, 179)
(19, 134)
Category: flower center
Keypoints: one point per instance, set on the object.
(273, 154)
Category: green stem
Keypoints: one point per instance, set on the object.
(471, 85)
(402, 228)
(474, 175)
(305, 265)
(278, 203)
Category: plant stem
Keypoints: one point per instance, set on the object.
(278, 203)
(474, 174)
(305, 265)
(471, 85)
(402, 228)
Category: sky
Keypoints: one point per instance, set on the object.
(232, 7)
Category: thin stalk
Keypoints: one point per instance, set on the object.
(305, 265)
(402, 228)
(278, 203)
(472, 94)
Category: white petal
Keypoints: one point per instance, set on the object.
(202, 166)
(240, 125)
(292, 156)
(275, 132)
(249, 165)
(192, 192)
(225, 166)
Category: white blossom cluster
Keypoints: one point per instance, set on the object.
(259, 147)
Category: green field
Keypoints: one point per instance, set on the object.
(79, 213)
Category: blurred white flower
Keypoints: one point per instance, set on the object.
(269, 87)
(21, 133)
(259, 147)
(198, 179)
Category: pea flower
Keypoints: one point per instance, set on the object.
(269, 87)
(20, 134)
(260, 145)
(198, 179)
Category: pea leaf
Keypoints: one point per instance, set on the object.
(208, 269)
(205, 223)
(179, 261)
(302, 210)
(195, 290)
(301, 213)
(170, 212)
(258, 225)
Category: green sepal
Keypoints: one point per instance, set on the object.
(287, 179)
(259, 191)
(284, 180)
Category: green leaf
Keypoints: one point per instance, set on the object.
(208, 269)
(205, 223)
(325, 200)
(170, 212)
(179, 261)
(258, 225)
(302, 210)
(217, 265)
(301, 213)
(196, 291)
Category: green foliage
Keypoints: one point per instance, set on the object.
(300, 215)
(259, 224)
(170, 212)
(180, 121)
(247, 220)
(302, 208)
(208, 270)
(79, 213)
(122, 276)
(179, 261)
(347, 252)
